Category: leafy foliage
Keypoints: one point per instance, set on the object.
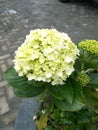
(62, 92)
(21, 85)
(49, 128)
(78, 99)
(64, 120)
(91, 98)
(93, 80)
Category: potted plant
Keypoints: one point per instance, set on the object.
(63, 76)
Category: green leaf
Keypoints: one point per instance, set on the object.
(84, 116)
(15, 80)
(78, 65)
(78, 99)
(56, 91)
(78, 93)
(28, 91)
(79, 127)
(63, 105)
(90, 97)
(50, 128)
(93, 80)
(81, 51)
(92, 63)
(68, 118)
(93, 127)
(70, 127)
(62, 91)
(68, 92)
(21, 85)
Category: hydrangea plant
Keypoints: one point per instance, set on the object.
(63, 76)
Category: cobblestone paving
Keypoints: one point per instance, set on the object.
(16, 19)
(9, 41)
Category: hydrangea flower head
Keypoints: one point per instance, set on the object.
(83, 79)
(89, 45)
(46, 55)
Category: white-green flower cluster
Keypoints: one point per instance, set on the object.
(89, 45)
(46, 55)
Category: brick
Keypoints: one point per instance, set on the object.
(8, 127)
(2, 92)
(3, 40)
(8, 43)
(9, 118)
(4, 47)
(4, 56)
(3, 83)
(0, 77)
(4, 107)
(10, 93)
(3, 67)
(14, 46)
(15, 30)
(9, 61)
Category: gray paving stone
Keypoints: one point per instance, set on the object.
(8, 127)
(2, 92)
(10, 117)
(10, 93)
(4, 107)
(1, 61)
(3, 67)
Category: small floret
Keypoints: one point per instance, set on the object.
(83, 79)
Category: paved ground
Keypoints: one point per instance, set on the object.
(17, 17)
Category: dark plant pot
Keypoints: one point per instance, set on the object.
(24, 119)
